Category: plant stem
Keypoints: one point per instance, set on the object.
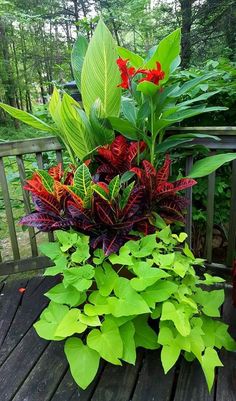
(153, 137)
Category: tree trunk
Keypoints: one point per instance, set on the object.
(8, 78)
(186, 12)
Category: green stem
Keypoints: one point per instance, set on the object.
(153, 137)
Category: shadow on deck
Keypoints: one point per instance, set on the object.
(32, 369)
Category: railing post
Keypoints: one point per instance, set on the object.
(189, 197)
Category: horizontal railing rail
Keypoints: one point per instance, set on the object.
(18, 150)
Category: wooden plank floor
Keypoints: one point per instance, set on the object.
(32, 369)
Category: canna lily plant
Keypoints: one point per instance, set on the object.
(123, 270)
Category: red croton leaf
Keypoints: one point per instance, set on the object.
(46, 203)
(34, 185)
(164, 172)
(56, 172)
(42, 221)
(134, 149)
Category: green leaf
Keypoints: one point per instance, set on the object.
(181, 237)
(65, 295)
(114, 187)
(179, 315)
(128, 301)
(83, 361)
(124, 127)
(79, 277)
(129, 110)
(77, 58)
(90, 320)
(210, 301)
(166, 52)
(101, 126)
(123, 258)
(126, 177)
(169, 356)
(47, 180)
(99, 256)
(100, 75)
(107, 342)
(209, 280)
(216, 334)
(134, 59)
(50, 249)
(126, 194)
(146, 276)
(82, 180)
(127, 332)
(101, 192)
(148, 88)
(70, 324)
(27, 118)
(77, 128)
(209, 362)
(82, 252)
(105, 278)
(145, 336)
(66, 239)
(159, 292)
(58, 321)
(209, 164)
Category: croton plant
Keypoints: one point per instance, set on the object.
(127, 276)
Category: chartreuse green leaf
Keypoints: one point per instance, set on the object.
(66, 295)
(209, 280)
(60, 266)
(159, 292)
(100, 74)
(179, 314)
(67, 239)
(90, 320)
(79, 277)
(134, 59)
(124, 257)
(127, 301)
(27, 118)
(83, 361)
(216, 334)
(107, 342)
(146, 276)
(169, 356)
(210, 301)
(58, 321)
(101, 126)
(98, 306)
(147, 88)
(76, 127)
(181, 237)
(127, 332)
(51, 249)
(209, 362)
(145, 336)
(77, 58)
(98, 256)
(144, 247)
(105, 278)
(82, 252)
(209, 164)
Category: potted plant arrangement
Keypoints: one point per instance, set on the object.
(128, 276)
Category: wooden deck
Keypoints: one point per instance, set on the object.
(32, 369)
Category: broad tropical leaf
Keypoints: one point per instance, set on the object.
(77, 58)
(27, 118)
(209, 164)
(100, 75)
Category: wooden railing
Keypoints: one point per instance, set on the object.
(37, 147)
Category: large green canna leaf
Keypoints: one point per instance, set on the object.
(100, 74)
(26, 118)
(77, 58)
(209, 164)
(134, 59)
(103, 132)
(77, 128)
(166, 52)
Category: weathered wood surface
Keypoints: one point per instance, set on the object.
(32, 369)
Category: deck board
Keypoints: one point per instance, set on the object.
(32, 369)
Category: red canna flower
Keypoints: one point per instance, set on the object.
(126, 73)
(21, 290)
(155, 75)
